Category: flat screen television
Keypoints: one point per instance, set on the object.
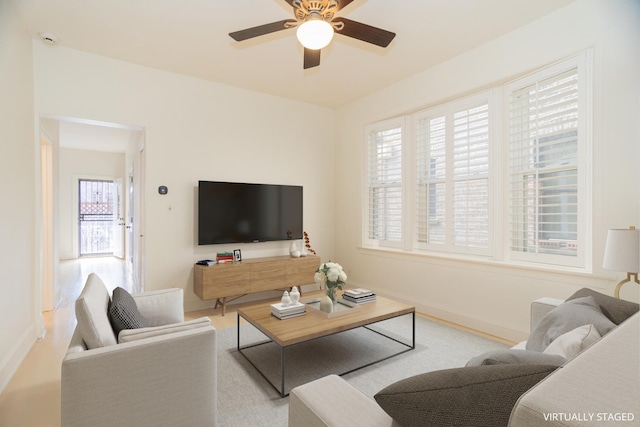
(233, 212)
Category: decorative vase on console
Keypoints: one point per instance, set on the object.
(331, 277)
(293, 250)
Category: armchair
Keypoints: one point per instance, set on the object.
(161, 375)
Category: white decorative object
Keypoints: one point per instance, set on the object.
(294, 295)
(286, 299)
(293, 248)
(304, 252)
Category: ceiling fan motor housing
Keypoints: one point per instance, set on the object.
(314, 9)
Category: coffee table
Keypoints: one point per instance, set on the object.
(316, 324)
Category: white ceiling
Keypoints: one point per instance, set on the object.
(84, 135)
(191, 37)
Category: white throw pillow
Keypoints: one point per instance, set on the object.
(569, 344)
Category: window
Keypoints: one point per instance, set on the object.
(452, 177)
(433, 176)
(384, 207)
(547, 139)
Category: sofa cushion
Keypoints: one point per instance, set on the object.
(569, 344)
(512, 356)
(617, 310)
(566, 317)
(123, 312)
(128, 335)
(91, 314)
(470, 396)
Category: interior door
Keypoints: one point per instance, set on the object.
(129, 223)
(118, 220)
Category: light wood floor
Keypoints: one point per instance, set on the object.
(32, 397)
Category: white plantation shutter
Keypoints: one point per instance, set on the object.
(471, 177)
(431, 181)
(384, 207)
(452, 177)
(545, 134)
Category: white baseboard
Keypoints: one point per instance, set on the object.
(465, 321)
(484, 327)
(13, 359)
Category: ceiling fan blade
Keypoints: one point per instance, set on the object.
(311, 58)
(260, 30)
(365, 32)
(343, 3)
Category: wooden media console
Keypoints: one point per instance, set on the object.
(220, 281)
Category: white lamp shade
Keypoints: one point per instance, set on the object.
(315, 34)
(622, 252)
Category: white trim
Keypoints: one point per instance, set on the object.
(15, 356)
(583, 63)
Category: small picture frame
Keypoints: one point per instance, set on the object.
(237, 255)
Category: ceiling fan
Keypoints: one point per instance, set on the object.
(316, 25)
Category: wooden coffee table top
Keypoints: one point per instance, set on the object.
(316, 324)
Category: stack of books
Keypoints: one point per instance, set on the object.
(359, 295)
(288, 312)
(223, 257)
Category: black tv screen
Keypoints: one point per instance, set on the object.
(232, 212)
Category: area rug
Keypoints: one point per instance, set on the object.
(246, 398)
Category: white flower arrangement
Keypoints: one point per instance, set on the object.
(333, 275)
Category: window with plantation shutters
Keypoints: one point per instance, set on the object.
(501, 174)
(546, 140)
(384, 208)
(452, 177)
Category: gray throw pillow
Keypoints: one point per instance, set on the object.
(511, 356)
(616, 310)
(473, 396)
(566, 317)
(123, 312)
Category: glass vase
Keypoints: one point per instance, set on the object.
(332, 294)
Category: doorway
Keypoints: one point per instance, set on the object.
(88, 150)
(100, 218)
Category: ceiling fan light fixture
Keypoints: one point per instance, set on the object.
(315, 33)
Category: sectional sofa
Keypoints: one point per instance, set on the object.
(579, 367)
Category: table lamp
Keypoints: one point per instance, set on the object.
(622, 253)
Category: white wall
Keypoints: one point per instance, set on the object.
(19, 262)
(492, 296)
(196, 130)
(75, 164)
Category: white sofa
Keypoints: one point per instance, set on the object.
(163, 375)
(603, 382)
